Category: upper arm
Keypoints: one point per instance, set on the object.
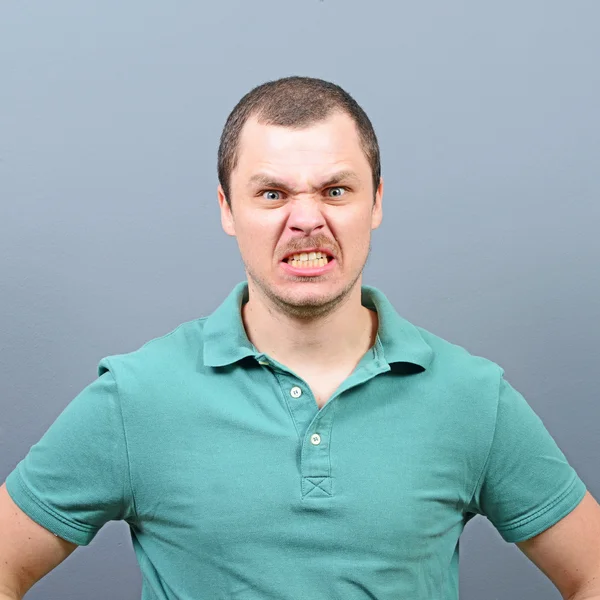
(28, 551)
(569, 551)
(527, 484)
(76, 478)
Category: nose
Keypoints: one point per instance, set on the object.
(306, 216)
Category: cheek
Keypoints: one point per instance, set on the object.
(354, 232)
(255, 237)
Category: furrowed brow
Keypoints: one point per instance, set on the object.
(341, 177)
(266, 181)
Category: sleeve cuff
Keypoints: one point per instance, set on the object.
(534, 524)
(23, 497)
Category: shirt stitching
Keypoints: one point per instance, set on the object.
(489, 452)
(538, 513)
(127, 453)
(317, 485)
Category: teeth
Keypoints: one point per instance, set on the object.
(296, 261)
(308, 256)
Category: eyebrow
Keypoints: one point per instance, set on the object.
(268, 181)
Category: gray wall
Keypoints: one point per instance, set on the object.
(487, 115)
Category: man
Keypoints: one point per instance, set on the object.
(304, 440)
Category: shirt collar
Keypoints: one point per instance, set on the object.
(226, 342)
(401, 340)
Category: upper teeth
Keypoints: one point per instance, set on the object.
(307, 256)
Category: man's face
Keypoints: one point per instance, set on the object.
(297, 191)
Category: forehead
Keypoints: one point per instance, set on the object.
(333, 142)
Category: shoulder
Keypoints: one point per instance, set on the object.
(463, 387)
(456, 365)
(160, 359)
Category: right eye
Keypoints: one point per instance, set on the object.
(271, 195)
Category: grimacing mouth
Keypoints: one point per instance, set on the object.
(308, 258)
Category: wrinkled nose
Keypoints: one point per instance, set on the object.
(306, 216)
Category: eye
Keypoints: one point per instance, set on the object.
(336, 192)
(271, 195)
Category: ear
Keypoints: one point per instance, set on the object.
(227, 221)
(377, 212)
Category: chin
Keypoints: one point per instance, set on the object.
(305, 296)
(302, 303)
(307, 300)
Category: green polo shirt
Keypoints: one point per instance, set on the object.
(235, 485)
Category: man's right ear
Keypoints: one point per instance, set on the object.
(226, 215)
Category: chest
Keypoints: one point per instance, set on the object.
(367, 468)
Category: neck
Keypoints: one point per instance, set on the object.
(342, 335)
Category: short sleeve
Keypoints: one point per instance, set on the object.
(527, 484)
(76, 478)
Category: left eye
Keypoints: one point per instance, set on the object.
(271, 195)
(336, 192)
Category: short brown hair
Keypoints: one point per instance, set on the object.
(294, 102)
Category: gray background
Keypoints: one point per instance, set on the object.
(487, 115)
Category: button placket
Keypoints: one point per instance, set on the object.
(315, 457)
(299, 401)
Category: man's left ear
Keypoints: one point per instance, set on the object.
(227, 222)
(377, 212)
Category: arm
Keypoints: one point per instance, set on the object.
(569, 552)
(27, 550)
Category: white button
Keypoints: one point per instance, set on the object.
(315, 439)
(295, 392)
